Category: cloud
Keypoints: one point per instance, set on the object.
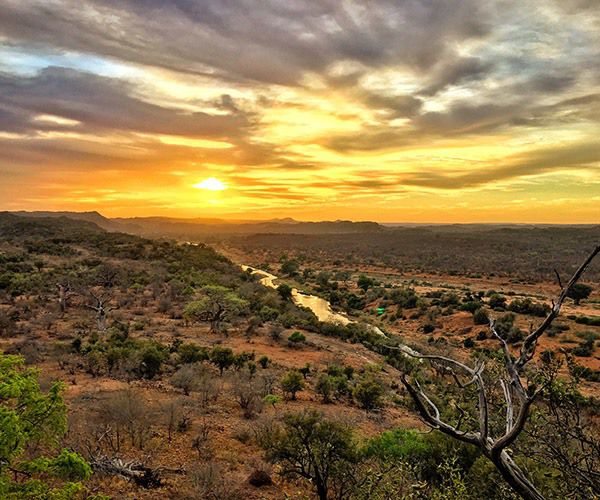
(584, 155)
(102, 103)
(269, 42)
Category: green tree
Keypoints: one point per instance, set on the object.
(221, 357)
(217, 305)
(285, 291)
(579, 292)
(292, 382)
(307, 445)
(31, 420)
(364, 282)
(289, 268)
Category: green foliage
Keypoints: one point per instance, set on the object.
(285, 291)
(364, 282)
(584, 349)
(292, 382)
(325, 387)
(264, 362)
(506, 328)
(527, 306)
(221, 357)
(297, 337)
(152, 358)
(272, 399)
(191, 353)
(579, 291)
(368, 393)
(497, 301)
(480, 317)
(309, 446)
(30, 418)
(399, 444)
(406, 298)
(289, 268)
(217, 305)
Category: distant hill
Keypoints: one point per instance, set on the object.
(38, 226)
(201, 228)
(94, 217)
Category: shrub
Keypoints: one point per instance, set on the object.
(325, 387)
(585, 349)
(34, 422)
(264, 361)
(527, 306)
(578, 292)
(292, 382)
(497, 301)
(221, 357)
(368, 393)
(297, 337)
(191, 353)
(272, 399)
(151, 360)
(285, 291)
(480, 317)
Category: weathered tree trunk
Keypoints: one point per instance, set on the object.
(101, 320)
(515, 477)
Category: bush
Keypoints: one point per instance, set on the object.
(292, 382)
(428, 327)
(264, 361)
(585, 349)
(368, 393)
(406, 298)
(506, 329)
(480, 317)
(191, 353)
(297, 337)
(285, 291)
(497, 301)
(34, 422)
(325, 387)
(221, 357)
(527, 306)
(578, 292)
(151, 361)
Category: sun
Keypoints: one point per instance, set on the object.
(211, 184)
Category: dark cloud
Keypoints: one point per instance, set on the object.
(101, 103)
(458, 70)
(271, 41)
(580, 155)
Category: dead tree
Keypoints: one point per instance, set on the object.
(518, 397)
(132, 470)
(65, 292)
(101, 305)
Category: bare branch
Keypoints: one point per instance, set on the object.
(529, 344)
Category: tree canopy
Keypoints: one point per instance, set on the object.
(30, 418)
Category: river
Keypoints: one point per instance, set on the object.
(319, 306)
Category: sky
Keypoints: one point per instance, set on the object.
(386, 110)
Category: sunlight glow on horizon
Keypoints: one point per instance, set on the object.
(211, 184)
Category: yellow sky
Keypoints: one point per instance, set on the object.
(384, 114)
